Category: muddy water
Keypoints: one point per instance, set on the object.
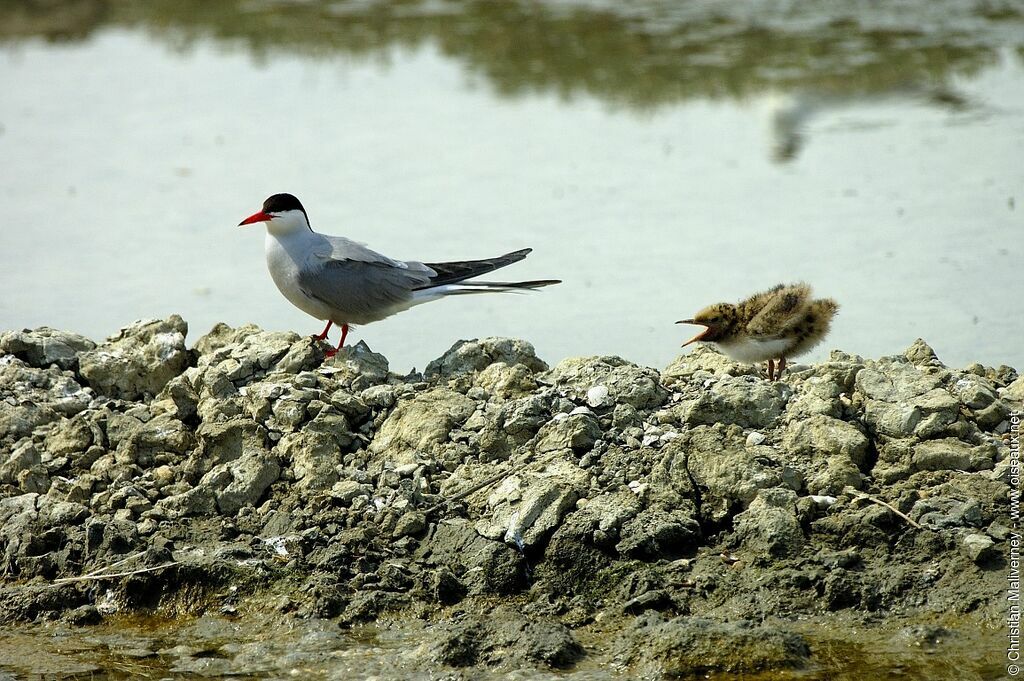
(657, 158)
(133, 648)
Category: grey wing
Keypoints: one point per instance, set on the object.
(340, 248)
(361, 292)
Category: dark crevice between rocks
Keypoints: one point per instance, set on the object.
(708, 529)
(871, 455)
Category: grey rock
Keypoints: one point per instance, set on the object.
(522, 419)
(598, 521)
(83, 615)
(703, 361)
(358, 367)
(467, 357)
(951, 454)
(62, 513)
(234, 357)
(314, 458)
(30, 398)
(823, 436)
(222, 335)
(599, 396)
(410, 524)
(978, 547)
(196, 501)
(770, 527)
(655, 599)
(687, 647)
(421, 425)
(902, 400)
(717, 461)
(138, 361)
(345, 491)
(837, 473)
(34, 479)
(24, 457)
(504, 637)
(525, 509)
(1014, 392)
(921, 354)
(506, 382)
(627, 383)
(894, 381)
(70, 436)
(577, 432)
(483, 565)
(745, 401)
(105, 537)
(139, 442)
(243, 481)
(837, 559)
(974, 392)
(44, 346)
(656, 533)
(178, 399)
(990, 418)
(220, 442)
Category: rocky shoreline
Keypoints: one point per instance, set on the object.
(663, 524)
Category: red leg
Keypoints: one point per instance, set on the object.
(344, 333)
(782, 365)
(327, 328)
(771, 370)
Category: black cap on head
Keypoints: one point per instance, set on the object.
(278, 203)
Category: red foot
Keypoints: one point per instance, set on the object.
(327, 328)
(344, 333)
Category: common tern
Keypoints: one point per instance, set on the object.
(345, 283)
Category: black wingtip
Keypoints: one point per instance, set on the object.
(454, 272)
(536, 283)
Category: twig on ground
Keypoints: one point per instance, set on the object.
(479, 486)
(113, 565)
(876, 500)
(93, 576)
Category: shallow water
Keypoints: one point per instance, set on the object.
(216, 647)
(657, 159)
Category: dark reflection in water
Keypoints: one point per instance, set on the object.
(635, 54)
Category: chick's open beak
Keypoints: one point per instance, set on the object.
(699, 336)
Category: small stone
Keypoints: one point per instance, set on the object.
(406, 469)
(978, 547)
(409, 524)
(598, 396)
(345, 491)
(755, 438)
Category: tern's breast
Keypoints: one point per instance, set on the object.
(285, 257)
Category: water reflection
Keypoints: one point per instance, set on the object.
(638, 54)
(791, 113)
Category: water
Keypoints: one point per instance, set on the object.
(123, 648)
(657, 159)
